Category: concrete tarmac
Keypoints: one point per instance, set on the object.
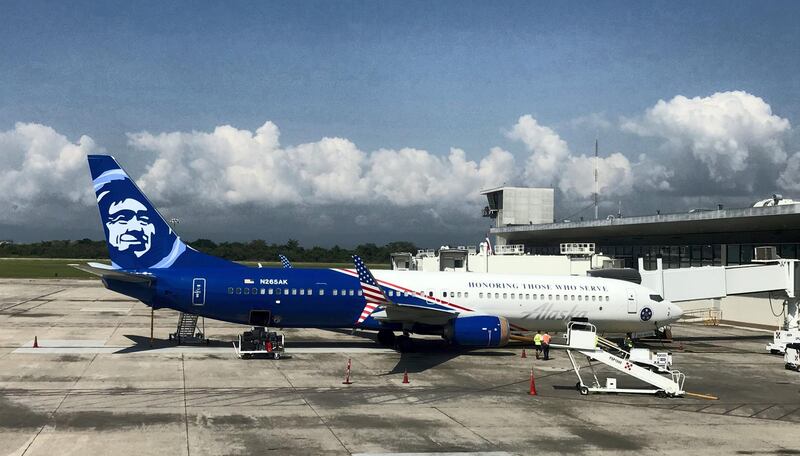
(96, 386)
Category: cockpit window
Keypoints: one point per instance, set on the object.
(656, 298)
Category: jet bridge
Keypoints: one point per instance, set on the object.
(768, 273)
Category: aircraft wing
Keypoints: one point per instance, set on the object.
(107, 272)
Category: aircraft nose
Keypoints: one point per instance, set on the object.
(675, 311)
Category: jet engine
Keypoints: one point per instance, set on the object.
(477, 331)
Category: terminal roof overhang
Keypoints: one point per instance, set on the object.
(748, 225)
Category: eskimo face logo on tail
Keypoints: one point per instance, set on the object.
(137, 235)
(129, 227)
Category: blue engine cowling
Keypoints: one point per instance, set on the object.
(477, 331)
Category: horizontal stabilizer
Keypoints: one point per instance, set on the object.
(108, 272)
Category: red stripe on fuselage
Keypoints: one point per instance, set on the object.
(350, 272)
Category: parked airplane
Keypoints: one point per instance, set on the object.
(150, 263)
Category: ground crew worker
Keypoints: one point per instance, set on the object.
(537, 343)
(546, 345)
(628, 342)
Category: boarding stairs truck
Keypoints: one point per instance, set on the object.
(582, 338)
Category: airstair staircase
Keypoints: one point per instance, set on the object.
(582, 338)
(186, 331)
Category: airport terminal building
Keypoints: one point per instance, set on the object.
(719, 237)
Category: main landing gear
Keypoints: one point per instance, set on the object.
(402, 343)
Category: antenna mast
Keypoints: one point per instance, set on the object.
(596, 186)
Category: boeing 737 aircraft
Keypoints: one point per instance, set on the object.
(149, 262)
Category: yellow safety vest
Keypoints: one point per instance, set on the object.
(537, 339)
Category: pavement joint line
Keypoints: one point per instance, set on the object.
(762, 411)
(63, 399)
(463, 426)
(322, 420)
(790, 413)
(185, 409)
(32, 299)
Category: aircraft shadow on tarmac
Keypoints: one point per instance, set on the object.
(142, 344)
(426, 354)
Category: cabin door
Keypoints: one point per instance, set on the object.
(632, 303)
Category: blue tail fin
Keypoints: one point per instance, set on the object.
(137, 236)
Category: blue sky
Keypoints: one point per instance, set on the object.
(428, 75)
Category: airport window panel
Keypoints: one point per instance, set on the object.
(270, 291)
(322, 292)
(466, 294)
(294, 291)
(685, 260)
(277, 291)
(579, 298)
(788, 250)
(717, 255)
(360, 292)
(497, 296)
(335, 292)
(607, 298)
(586, 298)
(255, 290)
(708, 255)
(230, 290)
(309, 291)
(286, 291)
(247, 291)
(351, 292)
(549, 297)
(505, 295)
(263, 291)
(572, 297)
(480, 295)
(747, 253)
(459, 294)
(558, 297)
(238, 291)
(302, 292)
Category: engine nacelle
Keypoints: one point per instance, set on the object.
(478, 331)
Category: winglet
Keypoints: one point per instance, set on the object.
(285, 262)
(372, 291)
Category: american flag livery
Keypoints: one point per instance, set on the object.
(372, 291)
(285, 262)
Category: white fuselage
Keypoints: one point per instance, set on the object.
(539, 303)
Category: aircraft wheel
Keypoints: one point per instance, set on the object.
(404, 344)
(661, 394)
(386, 338)
(584, 390)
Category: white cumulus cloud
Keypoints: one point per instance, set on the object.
(727, 131)
(614, 175)
(548, 150)
(39, 168)
(235, 166)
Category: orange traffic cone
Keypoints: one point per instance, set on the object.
(524, 355)
(405, 377)
(347, 373)
(35, 342)
(532, 391)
